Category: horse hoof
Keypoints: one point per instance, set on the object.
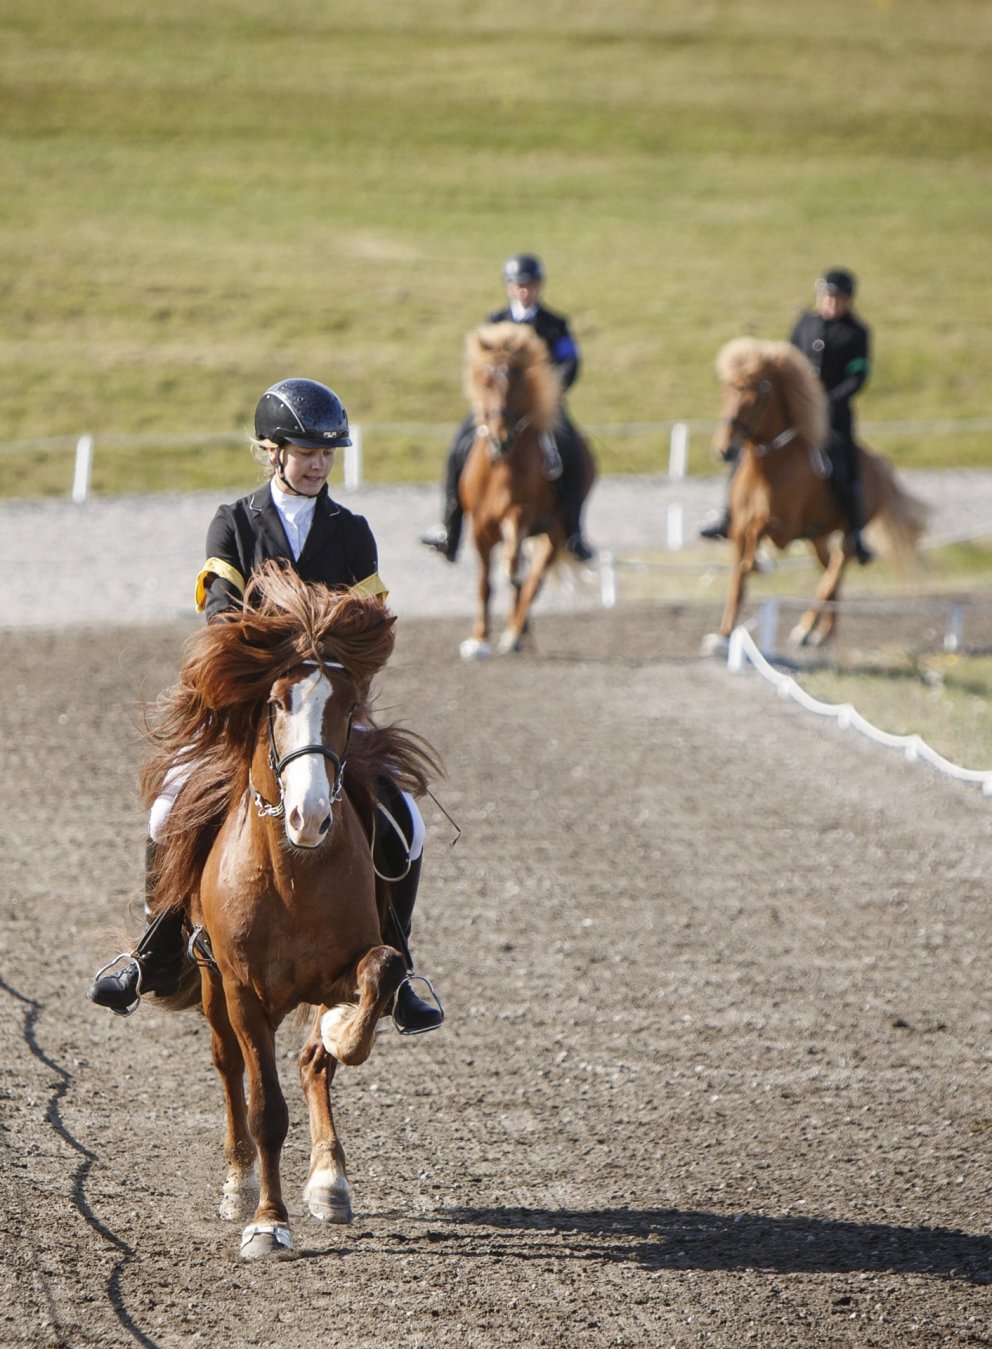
(262, 1241)
(329, 1207)
(509, 643)
(714, 644)
(473, 648)
(802, 636)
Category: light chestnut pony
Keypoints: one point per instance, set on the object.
(269, 849)
(775, 418)
(515, 394)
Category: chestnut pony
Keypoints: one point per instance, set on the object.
(775, 419)
(269, 850)
(505, 489)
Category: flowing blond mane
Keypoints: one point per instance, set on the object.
(518, 347)
(748, 359)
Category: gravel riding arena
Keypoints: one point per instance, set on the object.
(716, 1064)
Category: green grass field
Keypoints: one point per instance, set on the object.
(203, 198)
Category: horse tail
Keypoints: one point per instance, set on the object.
(900, 517)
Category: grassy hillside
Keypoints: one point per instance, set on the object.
(203, 198)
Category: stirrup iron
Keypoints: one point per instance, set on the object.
(131, 959)
(408, 979)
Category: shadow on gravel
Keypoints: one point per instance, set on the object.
(679, 1239)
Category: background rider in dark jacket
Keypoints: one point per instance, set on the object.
(837, 346)
(523, 276)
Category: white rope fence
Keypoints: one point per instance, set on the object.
(743, 648)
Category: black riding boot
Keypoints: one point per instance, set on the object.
(445, 538)
(412, 1014)
(571, 497)
(720, 529)
(154, 966)
(856, 505)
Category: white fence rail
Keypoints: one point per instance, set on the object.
(743, 649)
(673, 438)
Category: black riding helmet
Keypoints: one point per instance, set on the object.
(523, 269)
(302, 412)
(837, 282)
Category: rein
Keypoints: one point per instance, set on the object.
(499, 449)
(277, 811)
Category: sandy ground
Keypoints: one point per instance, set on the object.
(132, 560)
(716, 1069)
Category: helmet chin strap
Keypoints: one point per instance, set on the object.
(283, 481)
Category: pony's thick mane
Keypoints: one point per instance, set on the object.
(209, 720)
(517, 346)
(747, 359)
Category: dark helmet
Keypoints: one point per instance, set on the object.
(523, 269)
(302, 412)
(837, 282)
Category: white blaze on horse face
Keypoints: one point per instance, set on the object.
(307, 782)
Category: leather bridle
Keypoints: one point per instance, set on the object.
(277, 764)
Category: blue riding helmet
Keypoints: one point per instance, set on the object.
(523, 269)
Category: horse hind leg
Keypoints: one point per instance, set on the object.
(817, 624)
(326, 1193)
(525, 596)
(348, 1030)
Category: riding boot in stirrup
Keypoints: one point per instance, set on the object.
(154, 966)
(857, 512)
(412, 1015)
(719, 529)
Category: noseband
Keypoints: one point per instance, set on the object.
(277, 811)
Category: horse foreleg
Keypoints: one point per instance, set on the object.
(268, 1119)
(818, 622)
(527, 593)
(348, 1030)
(477, 646)
(747, 547)
(326, 1192)
(241, 1187)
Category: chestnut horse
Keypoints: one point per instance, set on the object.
(269, 850)
(505, 489)
(775, 419)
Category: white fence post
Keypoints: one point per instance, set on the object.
(84, 469)
(678, 451)
(769, 627)
(353, 461)
(954, 632)
(675, 532)
(607, 580)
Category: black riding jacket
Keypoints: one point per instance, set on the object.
(553, 329)
(839, 351)
(339, 550)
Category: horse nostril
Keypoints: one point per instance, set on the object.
(325, 825)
